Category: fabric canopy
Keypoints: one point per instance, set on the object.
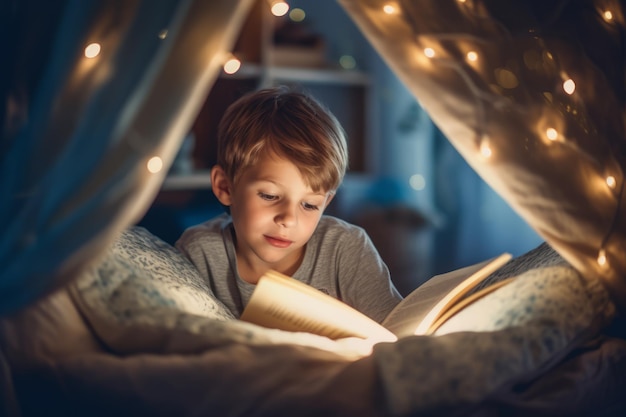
(94, 91)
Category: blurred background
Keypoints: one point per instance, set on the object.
(423, 206)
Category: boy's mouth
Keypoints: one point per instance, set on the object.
(278, 242)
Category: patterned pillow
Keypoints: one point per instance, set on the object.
(508, 337)
(141, 263)
(145, 296)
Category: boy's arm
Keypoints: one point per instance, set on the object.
(364, 279)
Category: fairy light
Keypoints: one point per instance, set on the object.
(602, 258)
(92, 50)
(417, 182)
(155, 164)
(232, 65)
(279, 8)
(297, 15)
(611, 182)
(485, 149)
(552, 134)
(389, 8)
(569, 86)
(347, 62)
(551, 127)
(163, 34)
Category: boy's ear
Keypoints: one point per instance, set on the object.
(221, 185)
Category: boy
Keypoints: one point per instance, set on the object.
(281, 157)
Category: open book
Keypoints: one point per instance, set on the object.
(281, 302)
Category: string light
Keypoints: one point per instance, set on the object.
(389, 8)
(279, 8)
(417, 182)
(297, 15)
(163, 34)
(569, 86)
(155, 164)
(232, 65)
(509, 76)
(602, 258)
(611, 182)
(92, 50)
(552, 134)
(485, 149)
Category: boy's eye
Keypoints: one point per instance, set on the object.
(267, 197)
(311, 207)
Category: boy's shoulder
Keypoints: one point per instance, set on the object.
(331, 224)
(207, 231)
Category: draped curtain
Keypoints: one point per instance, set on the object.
(92, 92)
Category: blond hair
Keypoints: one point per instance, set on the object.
(290, 124)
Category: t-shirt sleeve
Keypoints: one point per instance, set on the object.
(364, 279)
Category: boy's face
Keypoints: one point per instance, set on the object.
(274, 214)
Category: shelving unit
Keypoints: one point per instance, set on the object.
(345, 92)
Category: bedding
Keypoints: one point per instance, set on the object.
(146, 318)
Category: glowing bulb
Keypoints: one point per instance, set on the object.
(552, 134)
(429, 52)
(389, 9)
(608, 16)
(485, 150)
(602, 257)
(417, 182)
(297, 15)
(347, 62)
(163, 34)
(155, 164)
(472, 56)
(232, 65)
(611, 182)
(279, 8)
(461, 1)
(92, 50)
(569, 86)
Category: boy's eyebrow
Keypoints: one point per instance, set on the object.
(312, 193)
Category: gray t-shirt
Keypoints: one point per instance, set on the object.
(339, 260)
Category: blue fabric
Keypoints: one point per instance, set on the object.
(73, 174)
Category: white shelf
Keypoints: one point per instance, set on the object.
(318, 75)
(193, 181)
(301, 75)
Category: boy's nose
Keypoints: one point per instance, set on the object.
(287, 217)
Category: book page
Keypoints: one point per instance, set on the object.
(281, 302)
(420, 309)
